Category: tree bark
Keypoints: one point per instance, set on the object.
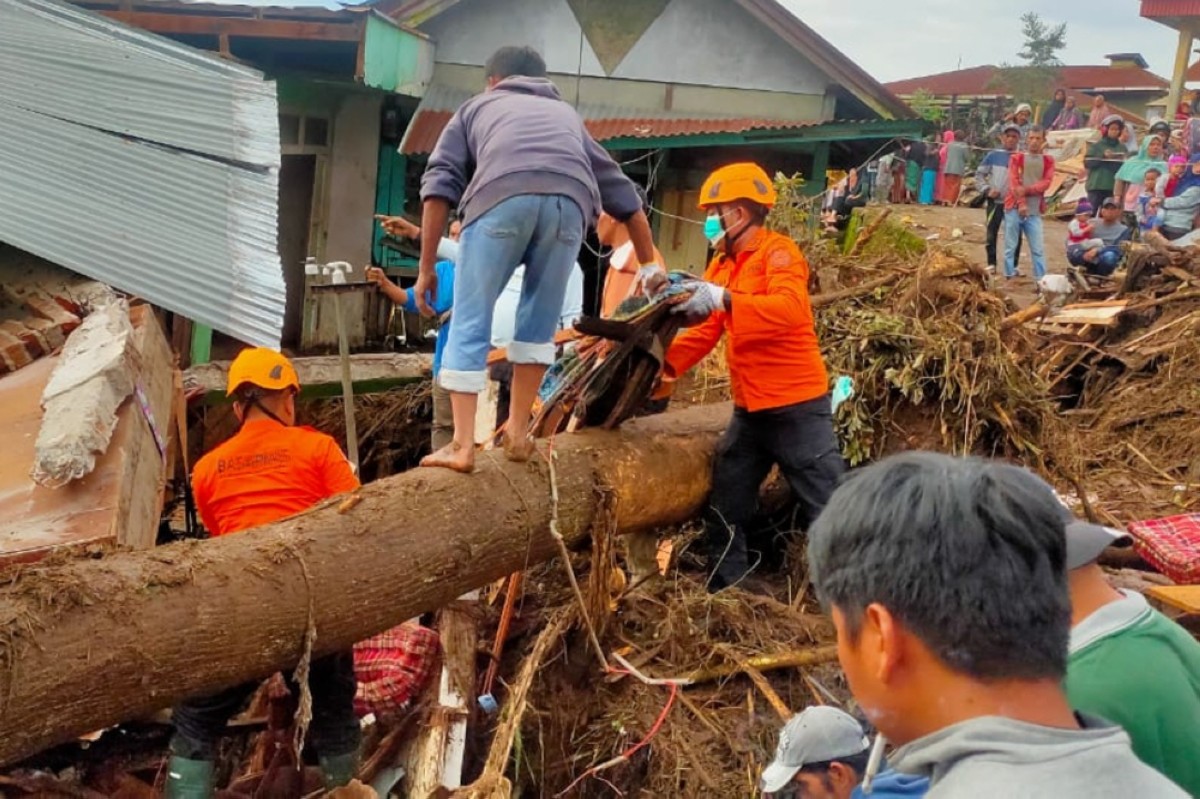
(87, 644)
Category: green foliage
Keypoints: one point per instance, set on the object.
(1034, 80)
(1042, 41)
(926, 106)
(793, 211)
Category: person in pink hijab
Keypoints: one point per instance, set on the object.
(953, 164)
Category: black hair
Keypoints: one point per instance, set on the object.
(509, 61)
(757, 211)
(1037, 129)
(858, 763)
(1153, 169)
(968, 554)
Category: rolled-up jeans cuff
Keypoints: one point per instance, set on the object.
(463, 382)
(522, 352)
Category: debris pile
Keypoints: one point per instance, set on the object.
(1122, 364)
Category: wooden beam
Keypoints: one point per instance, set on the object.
(193, 24)
(1183, 57)
(206, 615)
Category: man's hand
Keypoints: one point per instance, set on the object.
(377, 276)
(706, 298)
(651, 279)
(1023, 211)
(425, 291)
(399, 226)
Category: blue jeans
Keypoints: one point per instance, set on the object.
(1031, 227)
(542, 231)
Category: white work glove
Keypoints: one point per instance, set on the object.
(706, 298)
(651, 279)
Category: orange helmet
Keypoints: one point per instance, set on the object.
(264, 368)
(744, 181)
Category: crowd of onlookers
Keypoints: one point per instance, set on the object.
(1133, 185)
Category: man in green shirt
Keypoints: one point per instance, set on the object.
(1130, 664)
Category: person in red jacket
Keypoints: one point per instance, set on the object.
(1029, 176)
(755, 294)
(269, 470)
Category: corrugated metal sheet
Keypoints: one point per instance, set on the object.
(141, 163)
(604, 122)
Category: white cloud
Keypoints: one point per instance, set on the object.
(893, 41)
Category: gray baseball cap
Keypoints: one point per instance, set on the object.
(1085, 541)
(819, 734)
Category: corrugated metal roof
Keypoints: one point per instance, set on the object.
(604, 122)
(141, 163)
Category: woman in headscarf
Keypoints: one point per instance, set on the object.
(1179, 210)
(954, 164)
(1068, 118)
(1152, 155)
(1050, 115)
(1100, 111)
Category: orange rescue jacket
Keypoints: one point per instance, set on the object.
(772, 349)
(265, 473)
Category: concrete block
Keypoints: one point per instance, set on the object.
(13, 354)
(94, 375)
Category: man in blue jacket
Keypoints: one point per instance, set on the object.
(528, 180)
(822, 754)
(991, 178)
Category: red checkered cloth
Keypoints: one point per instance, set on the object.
(393, 667)
(1171, 545)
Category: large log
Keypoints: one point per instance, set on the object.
(87, 644)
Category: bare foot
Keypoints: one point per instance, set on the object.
(519, 451)
(452, 456)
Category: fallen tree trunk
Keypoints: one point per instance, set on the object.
(87, 644)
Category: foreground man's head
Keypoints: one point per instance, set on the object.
(946, 581)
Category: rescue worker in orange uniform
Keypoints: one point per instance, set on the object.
(755, 293)
(269, 470)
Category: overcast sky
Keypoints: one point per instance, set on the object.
(894, 41)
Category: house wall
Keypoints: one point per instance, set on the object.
(651, 96)
(354, 162)
(692, 42)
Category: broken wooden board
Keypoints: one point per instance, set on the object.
(1180, 597)
(120, 501)
(1104, 314)
(322, 376)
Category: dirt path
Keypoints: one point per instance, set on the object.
(933, 220)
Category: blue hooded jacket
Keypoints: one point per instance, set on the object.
(891, 784)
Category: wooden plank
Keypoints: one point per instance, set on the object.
(1181, 597)
(320, 376)
(1103, 316)
(190, 24)
(140, 503)
(36, 521)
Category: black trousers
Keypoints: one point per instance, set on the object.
(200, 722)
(995, 220)
(800, 439)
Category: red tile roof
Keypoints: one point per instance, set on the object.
(427, 126)
(980, 80)
(1154, 9)
(604, 122)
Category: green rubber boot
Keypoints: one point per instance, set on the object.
(338, 770)
(188, 779)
